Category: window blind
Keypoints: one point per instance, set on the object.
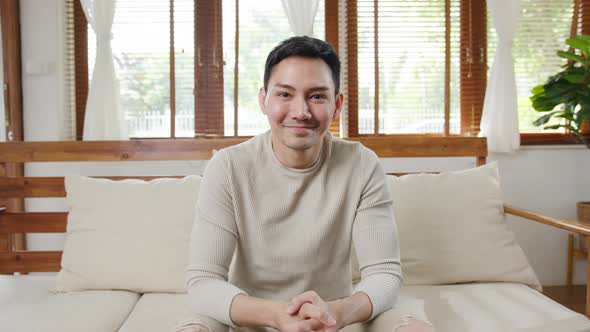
(257, 27)
(68, 73)
(196, 41)
(401, 56)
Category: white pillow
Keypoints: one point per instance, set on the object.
(451, 229)
(128, 235)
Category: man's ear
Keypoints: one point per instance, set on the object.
(262, 100)
(339, 103)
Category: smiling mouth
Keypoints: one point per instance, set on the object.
(299, 129)
(300, 126)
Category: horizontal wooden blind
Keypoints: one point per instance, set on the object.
(260, 27)
(584, 17)
(68, 95)
(331, 25)
(208, 69)
(401, 66)
(81, 64)
(472, 59)
(542, 30)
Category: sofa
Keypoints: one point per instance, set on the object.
(127, 243)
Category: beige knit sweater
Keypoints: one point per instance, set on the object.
(286, 231)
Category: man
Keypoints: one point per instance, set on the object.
(287, 206)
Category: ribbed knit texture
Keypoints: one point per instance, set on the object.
(291, 230)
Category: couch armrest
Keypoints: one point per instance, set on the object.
(2, 209)
(570, 225)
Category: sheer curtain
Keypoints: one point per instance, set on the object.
(104, 118)
(301, 14)
(500, 113)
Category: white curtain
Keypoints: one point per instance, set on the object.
(104, 118)
(301, 14)
(499, 121)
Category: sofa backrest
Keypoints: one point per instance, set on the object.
(14, 222)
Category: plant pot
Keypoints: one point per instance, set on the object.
(583, 217)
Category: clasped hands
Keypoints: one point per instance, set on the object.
(309, 312)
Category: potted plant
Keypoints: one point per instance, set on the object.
(566, 96)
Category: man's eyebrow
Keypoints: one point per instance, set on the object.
(319, 88)
(287, 86)
(284, 86)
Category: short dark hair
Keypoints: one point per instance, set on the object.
(307, 47)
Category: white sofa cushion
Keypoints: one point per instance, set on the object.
(128, 235)
(27, 305)
(452, 230)
(488, 307)
(164, 312)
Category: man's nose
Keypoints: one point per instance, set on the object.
(300, 109)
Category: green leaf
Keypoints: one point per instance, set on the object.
(578, 43)
(568, 116)
(553, 127)
(543, 119)
(570, 55)
(560, 91)
(543, 104)
(574, 78)
(539, 89)
(572, 129)
(584, 37)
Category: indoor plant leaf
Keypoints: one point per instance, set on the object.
(580, 44)
(570, 55)
(544, 119)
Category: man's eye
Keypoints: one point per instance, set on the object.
(318, 97)
(283, 94)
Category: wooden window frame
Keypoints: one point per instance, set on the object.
(12, 89)
(473, 72)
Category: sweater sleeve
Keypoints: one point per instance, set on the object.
(213, 240)
(375, 238)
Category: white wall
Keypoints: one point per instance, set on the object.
(40, 45)
(548, 179)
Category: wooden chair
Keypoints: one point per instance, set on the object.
(16, 223)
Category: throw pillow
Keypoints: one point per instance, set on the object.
(452, 230)
(128, 235)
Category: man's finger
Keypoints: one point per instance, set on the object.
(299, 300)
(309, 310)
(305, 325)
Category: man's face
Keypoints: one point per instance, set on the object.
(300, 102)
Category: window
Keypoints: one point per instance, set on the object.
(543, 27)
(415, 67)
(409, 67)
(263, 25)
(401, 67)
(212, 93)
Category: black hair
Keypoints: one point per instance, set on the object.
(307, 47)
